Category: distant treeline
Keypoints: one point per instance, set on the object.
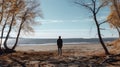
(67, 40)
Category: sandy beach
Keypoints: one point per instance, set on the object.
(83, 47)
(73, 49)
(74, 55)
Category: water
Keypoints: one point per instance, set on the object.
(53, 41)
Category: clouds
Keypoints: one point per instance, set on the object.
(51, 21)
(65, 33)
(54, 21)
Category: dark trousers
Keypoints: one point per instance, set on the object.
(60, 51)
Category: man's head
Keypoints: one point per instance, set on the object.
(59, 37)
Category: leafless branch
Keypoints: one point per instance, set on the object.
(104, 22)
(103, 4)
(85, 5)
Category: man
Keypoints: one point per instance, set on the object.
(59, 44)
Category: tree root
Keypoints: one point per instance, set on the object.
(110, 59)
(6, 51)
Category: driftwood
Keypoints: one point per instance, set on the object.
(110, 59)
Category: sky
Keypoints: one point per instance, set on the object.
(66, 19)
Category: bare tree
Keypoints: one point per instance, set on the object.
(94, 6)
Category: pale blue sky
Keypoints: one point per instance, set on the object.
(63, 18)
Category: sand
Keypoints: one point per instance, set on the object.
(83, 47)
(74, 55)
(75, 49)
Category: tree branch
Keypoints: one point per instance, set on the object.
(85, 5)
(103, 4)
(104, 22)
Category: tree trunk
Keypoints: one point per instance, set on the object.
(2, 32)
(118, 31)
(115, 3)
(102, 42)
(6, 39)
(100, 37)
(17, 38)
(1, 20)
(118, 13)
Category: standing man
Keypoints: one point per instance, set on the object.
(59, 44)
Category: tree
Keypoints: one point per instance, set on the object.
(5, 14)
(17, 15)
(114, 21)
(27, 17)
(114, 15)
(94, 6)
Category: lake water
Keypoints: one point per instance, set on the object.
(53, 41)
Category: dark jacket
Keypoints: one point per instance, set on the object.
(59, 43)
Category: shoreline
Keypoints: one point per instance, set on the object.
(53, 47)
(74, 49)
(53, 44)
